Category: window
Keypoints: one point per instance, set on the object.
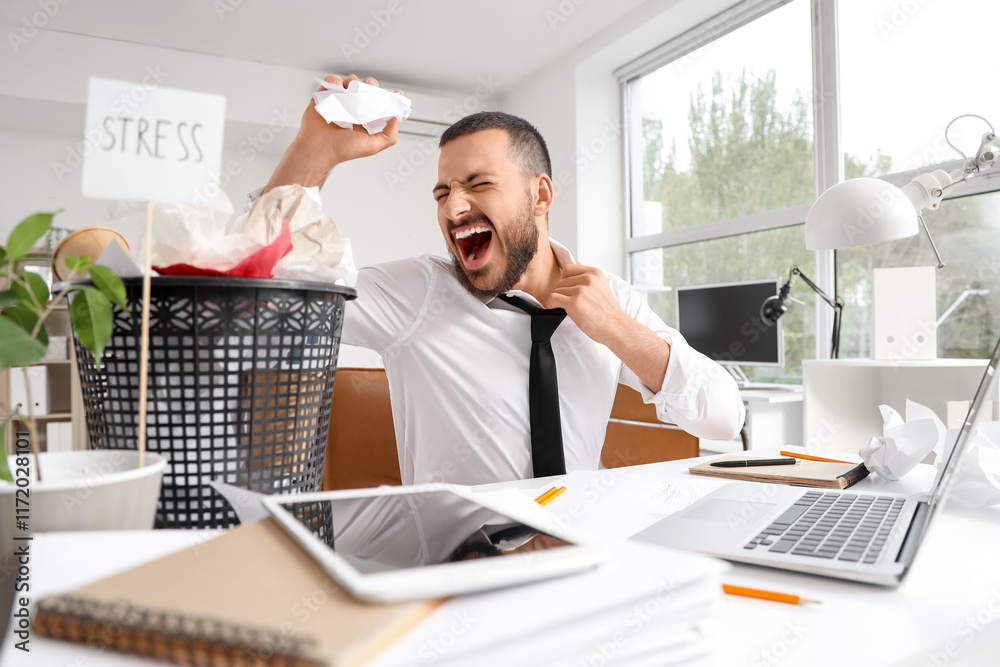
(723, 154)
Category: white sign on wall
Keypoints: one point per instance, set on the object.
(151, 143)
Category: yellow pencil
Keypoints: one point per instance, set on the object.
(547, 497)
(807, 457)
(540, 499)
(766, 595)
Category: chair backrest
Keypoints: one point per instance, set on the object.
(361, 448)
(636, 436)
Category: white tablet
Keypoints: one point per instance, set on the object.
(392, 544)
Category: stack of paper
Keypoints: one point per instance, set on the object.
(644, 606)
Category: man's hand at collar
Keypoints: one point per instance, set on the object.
(320, 146)
(584, 293)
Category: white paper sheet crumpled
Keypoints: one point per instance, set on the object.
(319, 253)
(207, 237)
(905, 443)
(360, 104)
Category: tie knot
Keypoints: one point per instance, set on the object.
(543, 322)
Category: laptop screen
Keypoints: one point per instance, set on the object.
(969, 427)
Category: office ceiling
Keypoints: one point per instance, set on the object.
(440, 44)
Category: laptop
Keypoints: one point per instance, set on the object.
(846, 534)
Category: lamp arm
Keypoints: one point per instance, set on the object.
(837, 303)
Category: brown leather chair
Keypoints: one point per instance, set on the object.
(636, 436)
(361, 448)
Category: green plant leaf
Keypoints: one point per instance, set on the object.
(110, 285)
(77, 264)
(23, 237)
(26, 317)
(9, 298)
(27, 284)
(91, 316)
(4, 468)
(17, 347)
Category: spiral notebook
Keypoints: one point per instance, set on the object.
(251, 596)
(821, 474)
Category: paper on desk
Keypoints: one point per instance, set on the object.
(642, 594)
(360, 104)
(903, 444)
(618, 503)
(246, 503)
(977, 481)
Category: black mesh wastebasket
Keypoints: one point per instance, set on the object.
(240, 381)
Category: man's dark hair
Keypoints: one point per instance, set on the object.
(526, 143)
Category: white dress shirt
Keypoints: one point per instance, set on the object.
(458, 375)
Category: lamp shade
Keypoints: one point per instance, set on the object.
(858, 212)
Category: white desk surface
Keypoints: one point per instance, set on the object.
(771, 395)
(946, 612)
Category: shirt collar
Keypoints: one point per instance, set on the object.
(564, 258)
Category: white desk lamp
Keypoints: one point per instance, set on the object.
(863, 211)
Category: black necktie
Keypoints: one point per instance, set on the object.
(543, 390)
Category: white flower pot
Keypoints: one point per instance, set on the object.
(80, 490)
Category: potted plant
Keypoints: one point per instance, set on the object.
(77, 490)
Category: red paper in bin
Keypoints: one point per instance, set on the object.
(257, 265)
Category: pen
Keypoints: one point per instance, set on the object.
(767, 595)
(807, 457)
(753, 462)
(547, 497)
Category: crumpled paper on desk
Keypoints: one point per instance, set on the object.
(903, 444)
(361, 104)
(285, 236)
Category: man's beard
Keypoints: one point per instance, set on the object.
(520, 245)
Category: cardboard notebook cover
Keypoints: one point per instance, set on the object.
(249, 597)
(803, 473)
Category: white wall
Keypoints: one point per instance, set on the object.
(576, 103)
(383, 204)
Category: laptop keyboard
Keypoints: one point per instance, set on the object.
(848, 527)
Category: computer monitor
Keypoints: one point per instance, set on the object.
(724, 322)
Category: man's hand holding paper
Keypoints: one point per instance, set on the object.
(321, 145)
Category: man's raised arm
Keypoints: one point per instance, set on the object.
(320, 146)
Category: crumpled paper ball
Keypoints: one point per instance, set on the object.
(361, 104)
(903, 444)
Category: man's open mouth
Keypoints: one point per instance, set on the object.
(474, 243)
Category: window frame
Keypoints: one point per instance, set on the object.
(828, 157)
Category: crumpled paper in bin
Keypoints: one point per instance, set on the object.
(285, 236)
